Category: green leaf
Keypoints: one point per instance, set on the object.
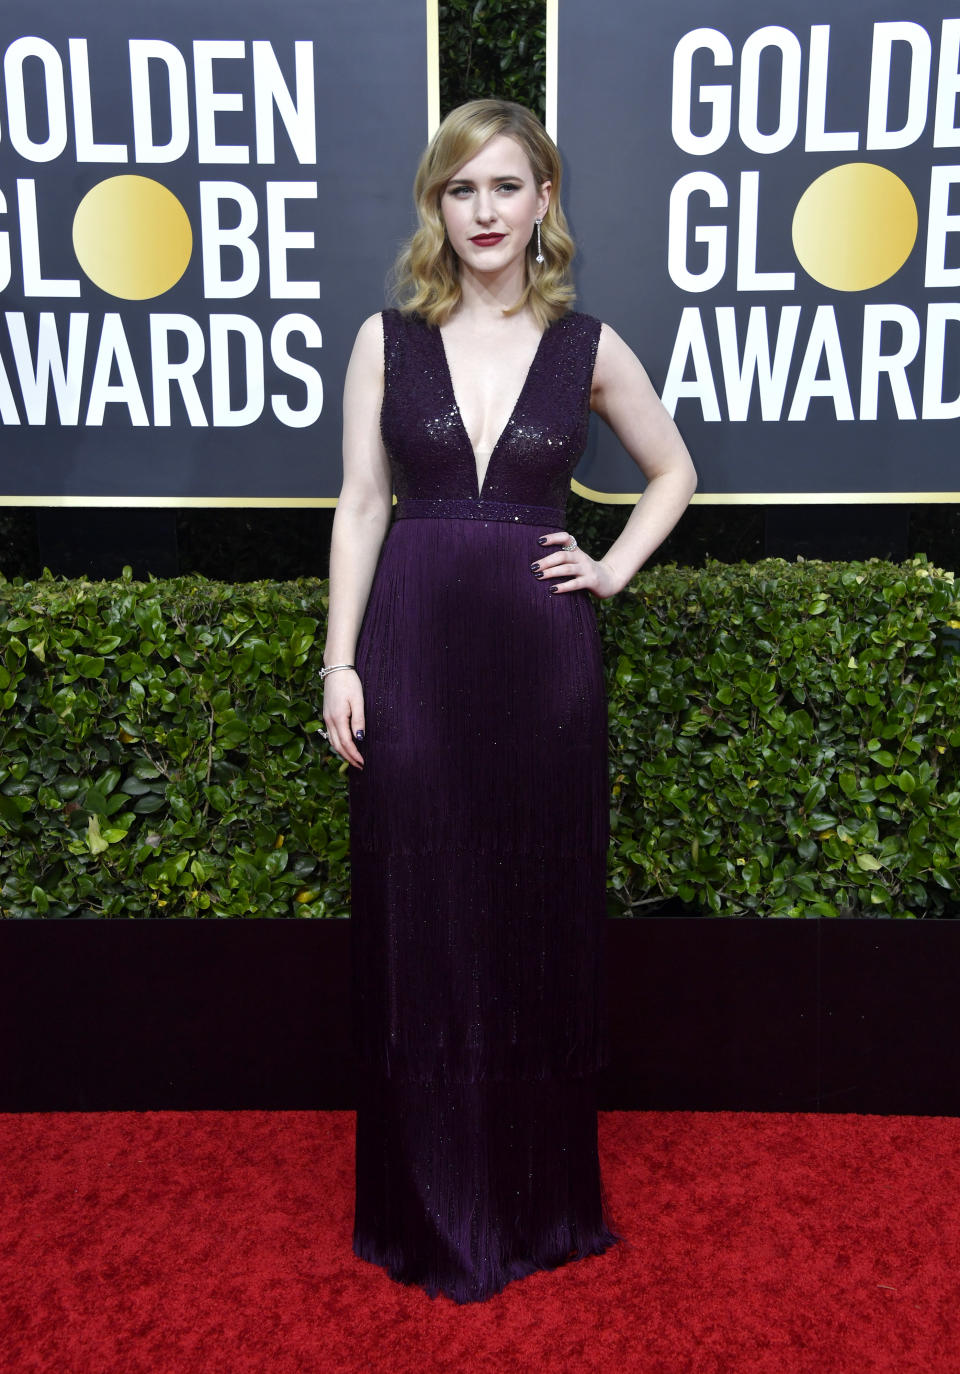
(10, 811)
(848, 783)
(276, 862)
(145, 770)
(89, 665)
(95, 841)
(133, 787)
(95, 800)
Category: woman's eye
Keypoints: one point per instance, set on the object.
(509, 186)
(460, 191)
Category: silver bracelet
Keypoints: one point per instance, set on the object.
(334, 668)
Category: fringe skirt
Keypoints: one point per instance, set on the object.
(479, 829)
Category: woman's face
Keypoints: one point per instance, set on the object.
(490, 204)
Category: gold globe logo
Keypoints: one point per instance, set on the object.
(854, 227)
(132, 237)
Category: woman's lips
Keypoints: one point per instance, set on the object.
(486, 240)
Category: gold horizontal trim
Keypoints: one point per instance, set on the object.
(828, 498)
(606, 498)
(781, 498)
(146, 501)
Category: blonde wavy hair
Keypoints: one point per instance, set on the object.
(426, 276)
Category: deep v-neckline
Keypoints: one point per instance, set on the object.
(478, 484)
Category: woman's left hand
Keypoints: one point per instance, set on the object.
(584, 573)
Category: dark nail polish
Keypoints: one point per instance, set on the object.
(542, 539)
(538, 574)
(554, 588)
(534, 567)
(358, 735)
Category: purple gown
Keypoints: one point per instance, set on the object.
(479, 830)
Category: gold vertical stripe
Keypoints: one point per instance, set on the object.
(433, 67)
(551, 73)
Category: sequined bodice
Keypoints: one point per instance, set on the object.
(430, 453)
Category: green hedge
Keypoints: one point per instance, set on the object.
(159, 755)
(493, 48)
(784, 743)
(785, 739)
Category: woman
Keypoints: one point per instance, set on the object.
(463, 685)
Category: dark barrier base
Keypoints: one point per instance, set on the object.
(848, 1016)
(829, 532)
(824, 1015)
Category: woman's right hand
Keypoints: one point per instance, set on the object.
(343, 714)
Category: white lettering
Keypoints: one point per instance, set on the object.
(946, 131)
(787, 44)
(748, 278)
(87, 149)
(714, 236)
(271, 92)
(5, 264)
(281, 240)
(211, 102)
(718, 97)
(36, 376)
(54, 97)
(823, 343)
(818, 138)
(294, 367)
(691, 344)
(939, 224)
(166, 372)
(215, 238)
(115, 349)
(143, 51)
(893, 364)
(939, 315)
(8, 406)
(771, 376)
(251, 370)
(878, 109)
(34, 284)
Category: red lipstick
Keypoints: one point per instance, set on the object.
(486, 240)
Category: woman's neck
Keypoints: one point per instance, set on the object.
(487, 296)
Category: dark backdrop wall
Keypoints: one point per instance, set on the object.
(494, 47)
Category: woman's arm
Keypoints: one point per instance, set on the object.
(359, 527)
(623, 395)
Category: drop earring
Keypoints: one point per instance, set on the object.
(540, 257)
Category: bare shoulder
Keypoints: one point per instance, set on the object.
(366, 357)
(369, 341)
(616, 365)
(613, 352)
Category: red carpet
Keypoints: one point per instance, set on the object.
(174, 1242)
